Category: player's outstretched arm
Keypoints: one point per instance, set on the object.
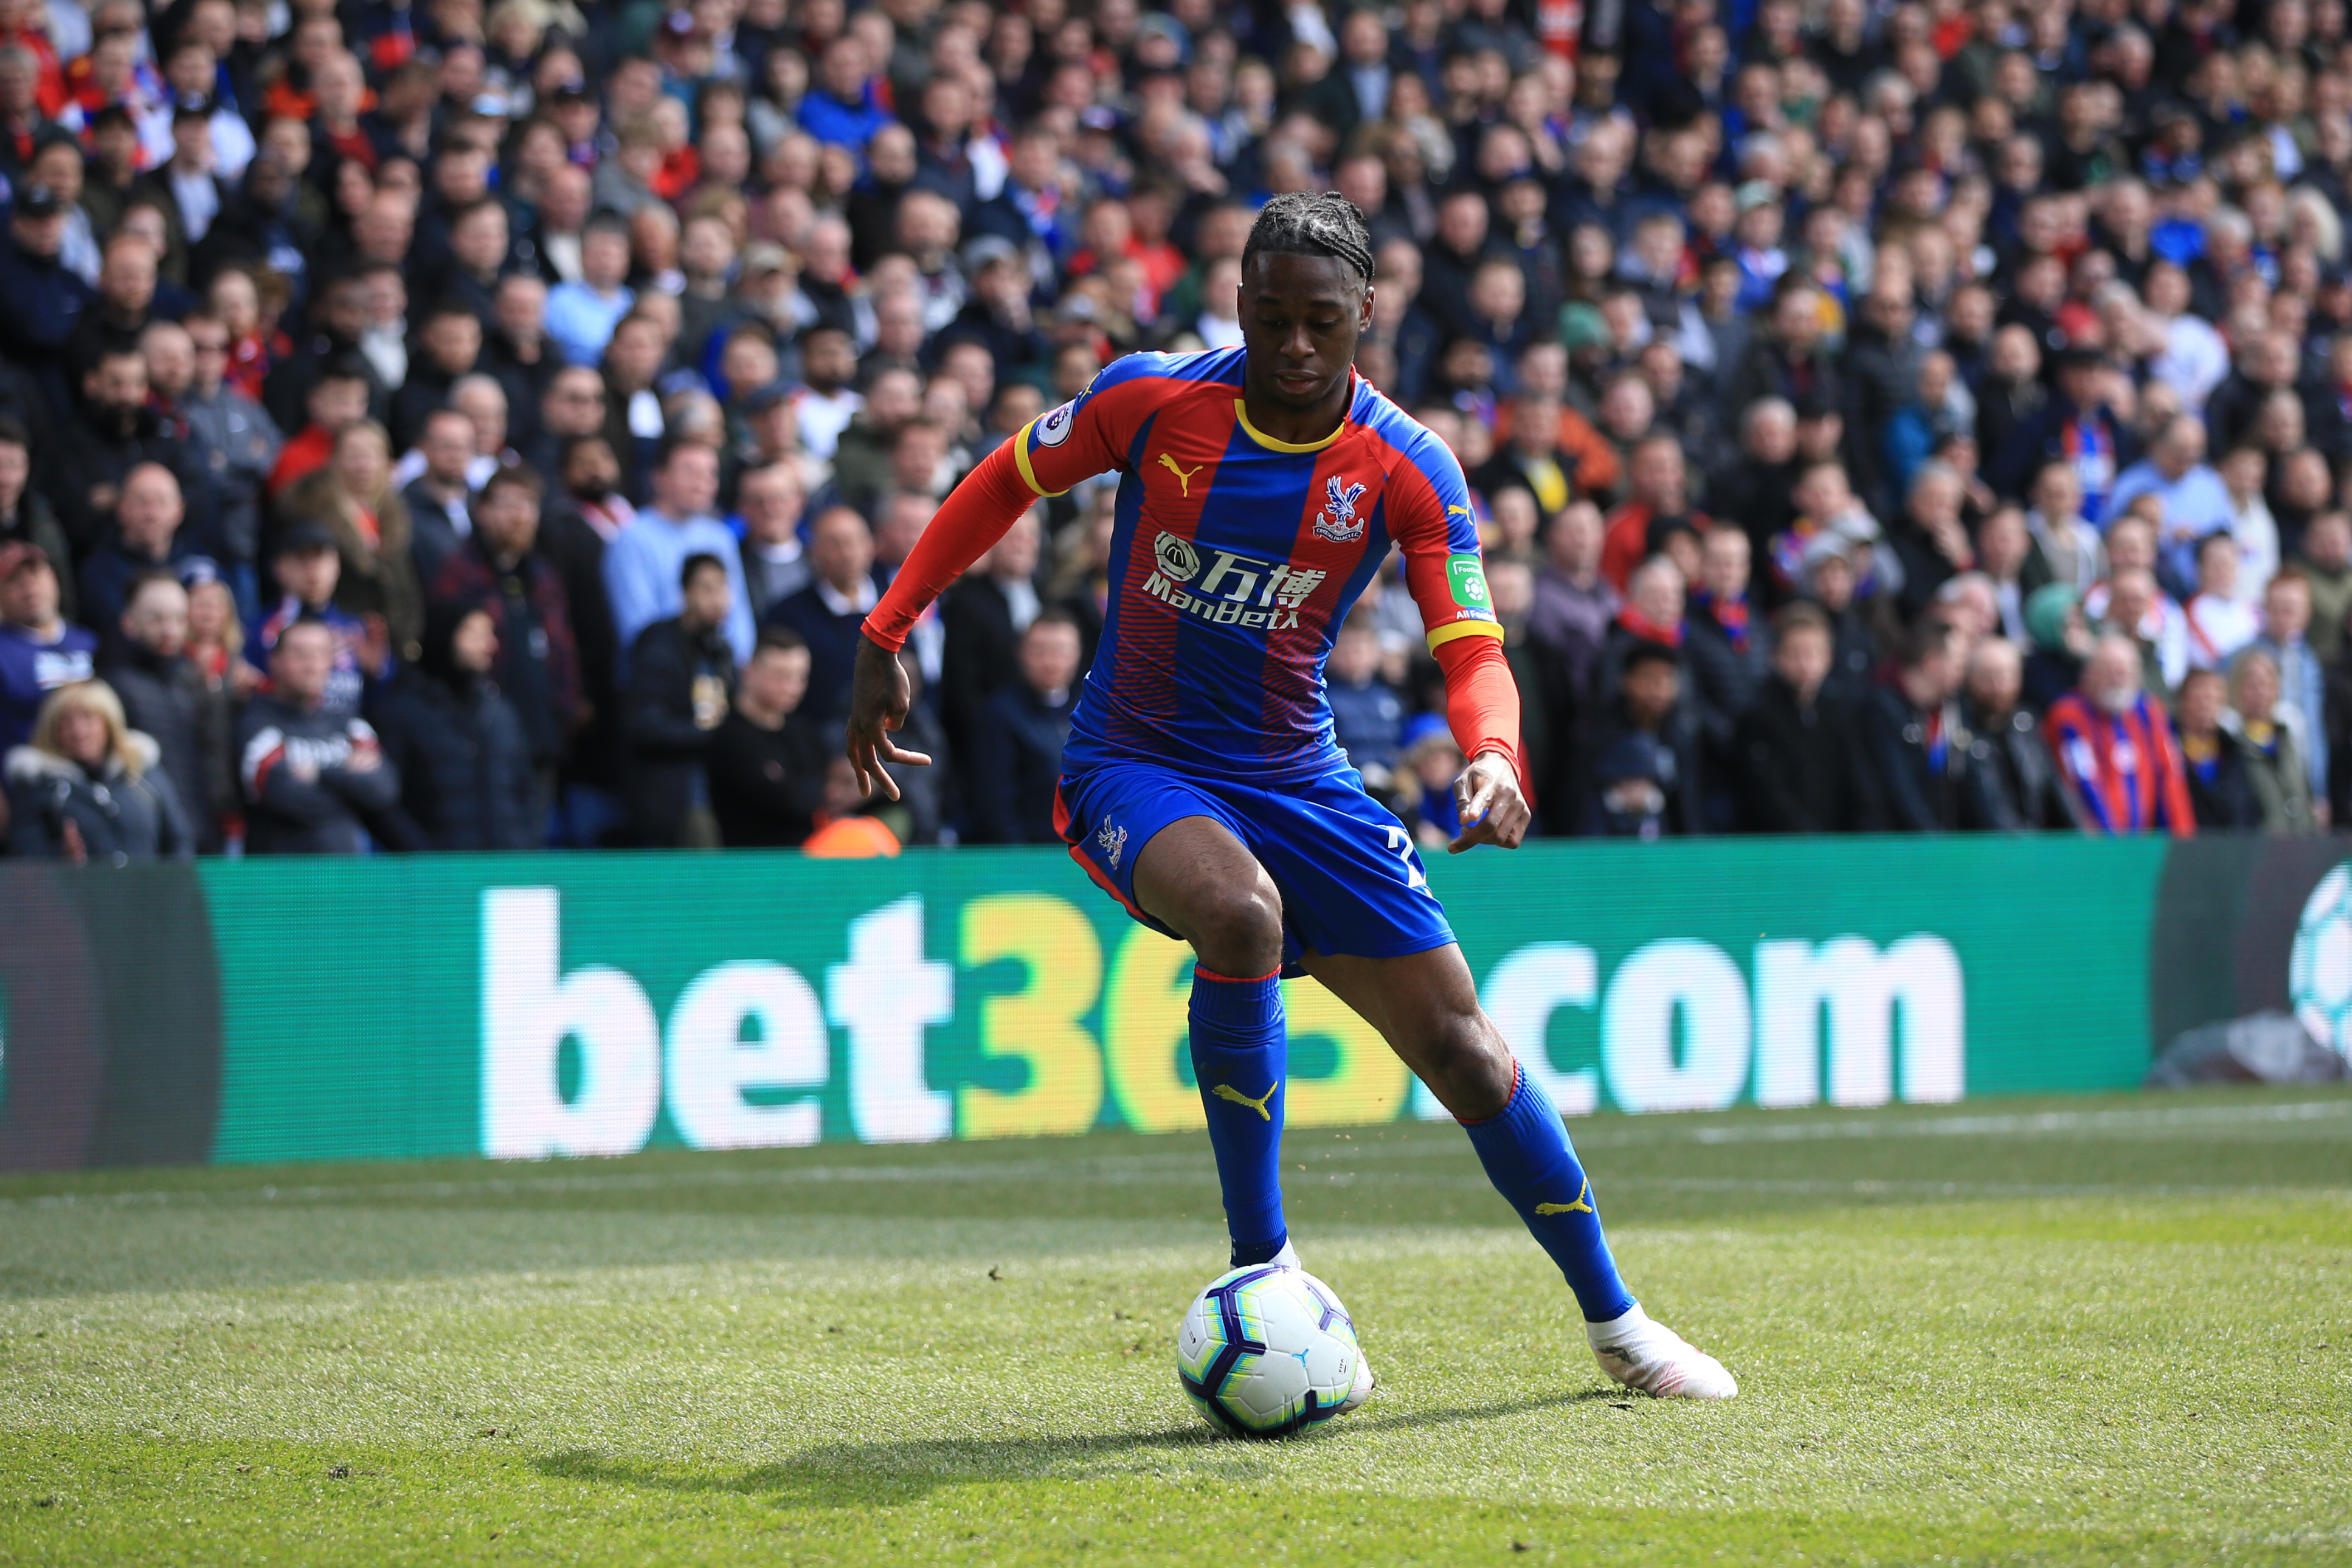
(976, 515)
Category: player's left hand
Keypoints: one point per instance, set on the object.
(1494, 809)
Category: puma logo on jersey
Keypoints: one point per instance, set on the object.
(1579, 1206)
(1464, 510)
(1183, 475)
(1227, 1092)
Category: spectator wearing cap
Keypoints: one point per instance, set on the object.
(313, 777)
(26, 516)
(643, 562)
(1645, 734)
(580, 315)
(87, 788)
(1756, 235)
(2114, 746)
(1829, 580)
(41, 300)
(147, 536)
(39, 650)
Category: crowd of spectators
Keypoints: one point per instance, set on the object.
(434, 423)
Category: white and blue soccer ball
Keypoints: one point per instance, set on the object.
(2319, 966)
(1266, 1351)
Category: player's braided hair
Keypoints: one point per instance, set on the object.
(1312, 223)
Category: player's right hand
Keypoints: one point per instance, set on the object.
(879, 699)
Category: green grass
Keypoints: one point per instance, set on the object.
(2111, 1331)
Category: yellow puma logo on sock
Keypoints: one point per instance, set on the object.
(1184, 477)
(1579, 1206)
(1227, 1092)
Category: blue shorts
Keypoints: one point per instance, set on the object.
(1350, 879)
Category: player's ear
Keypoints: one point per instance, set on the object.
(1364, 316)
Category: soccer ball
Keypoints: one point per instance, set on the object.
(1265, 1351)
(2319, 966)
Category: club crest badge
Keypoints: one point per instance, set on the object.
(1177, 560)
(1113, 842)
(1339, 523)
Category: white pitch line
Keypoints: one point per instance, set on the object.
(1123, 1169)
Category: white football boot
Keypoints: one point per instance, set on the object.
(1365, 1381)
(1648, 1356)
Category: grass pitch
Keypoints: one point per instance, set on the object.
(2079, 1331)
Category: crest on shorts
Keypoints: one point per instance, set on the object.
(1113, 842)
(1339, 522)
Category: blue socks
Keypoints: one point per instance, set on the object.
(1527, 1156)
(1240, 1053)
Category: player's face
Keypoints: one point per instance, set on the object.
(1300, 317)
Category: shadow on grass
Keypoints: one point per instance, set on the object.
(845, 1475)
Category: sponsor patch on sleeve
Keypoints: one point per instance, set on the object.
(1467, 578)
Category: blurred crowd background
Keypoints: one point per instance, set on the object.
(484, 426)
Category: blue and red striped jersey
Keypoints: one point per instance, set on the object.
(1236, 557)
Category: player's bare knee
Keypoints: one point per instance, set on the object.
(1238, 930)
(1467, 1065)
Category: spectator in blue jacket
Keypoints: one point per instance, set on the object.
(39, 650)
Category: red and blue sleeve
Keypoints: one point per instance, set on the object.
(1084, 437)
(1431, 519)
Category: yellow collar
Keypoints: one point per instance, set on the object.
(1241, 413)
